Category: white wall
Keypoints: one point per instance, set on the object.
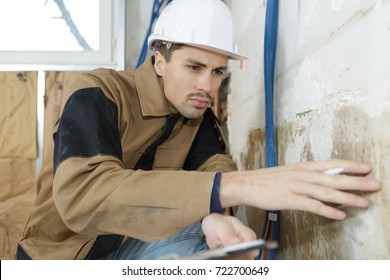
(246, 100)
(137, 22)
(332, 99)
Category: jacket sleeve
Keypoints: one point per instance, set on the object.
(95, 194)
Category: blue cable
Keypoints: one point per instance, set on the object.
(157, 4)
(270, 35)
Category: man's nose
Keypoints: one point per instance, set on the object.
(205, 83)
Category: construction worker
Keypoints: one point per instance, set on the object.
(141, 166)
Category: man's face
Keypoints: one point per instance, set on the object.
(191, 78)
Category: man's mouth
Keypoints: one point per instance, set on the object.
(200, 100)
(200, 103)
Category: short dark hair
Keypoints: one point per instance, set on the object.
(166, 48)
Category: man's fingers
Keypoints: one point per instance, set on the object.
(350, 167)
(326, 210)
(341, 181)
(314, 198)
(338, 192)
(345, 182)
(242, 231)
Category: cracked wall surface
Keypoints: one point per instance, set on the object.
(332, 100)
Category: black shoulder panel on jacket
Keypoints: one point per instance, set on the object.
(208, 142)
(88, 127)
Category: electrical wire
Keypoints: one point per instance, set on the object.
(157, 4)
(271, 225)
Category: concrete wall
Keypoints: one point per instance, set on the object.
(138, 15)
(332, 100)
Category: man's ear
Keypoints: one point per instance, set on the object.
(159, 63)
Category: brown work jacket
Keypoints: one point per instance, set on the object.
(98, 197)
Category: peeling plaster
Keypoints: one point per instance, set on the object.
(332, 100)
(363, 235)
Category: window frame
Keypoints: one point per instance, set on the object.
(115, 60)
(111, 53)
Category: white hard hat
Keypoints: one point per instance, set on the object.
(206, 24)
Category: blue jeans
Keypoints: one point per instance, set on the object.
(187, 242)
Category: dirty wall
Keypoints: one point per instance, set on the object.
(332, 100)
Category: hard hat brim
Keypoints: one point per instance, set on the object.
(231, 55)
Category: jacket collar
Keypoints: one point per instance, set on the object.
(151, 91)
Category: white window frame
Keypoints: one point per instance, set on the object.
(111, 52)
(112, 43)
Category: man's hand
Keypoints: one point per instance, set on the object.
(302, 186)
(222, 230)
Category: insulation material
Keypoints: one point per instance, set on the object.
(18, 153)
(18, 110)
(18, 183)
(17, 195)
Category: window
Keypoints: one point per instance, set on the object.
(62, 32)
(60, 35)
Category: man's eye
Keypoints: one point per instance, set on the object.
(193, 67)
(219, 72)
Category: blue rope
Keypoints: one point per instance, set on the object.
(270, 35)
(157, 4)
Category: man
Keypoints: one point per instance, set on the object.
(141, 168)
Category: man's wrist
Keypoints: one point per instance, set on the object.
(229, 193)
(215, 202)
